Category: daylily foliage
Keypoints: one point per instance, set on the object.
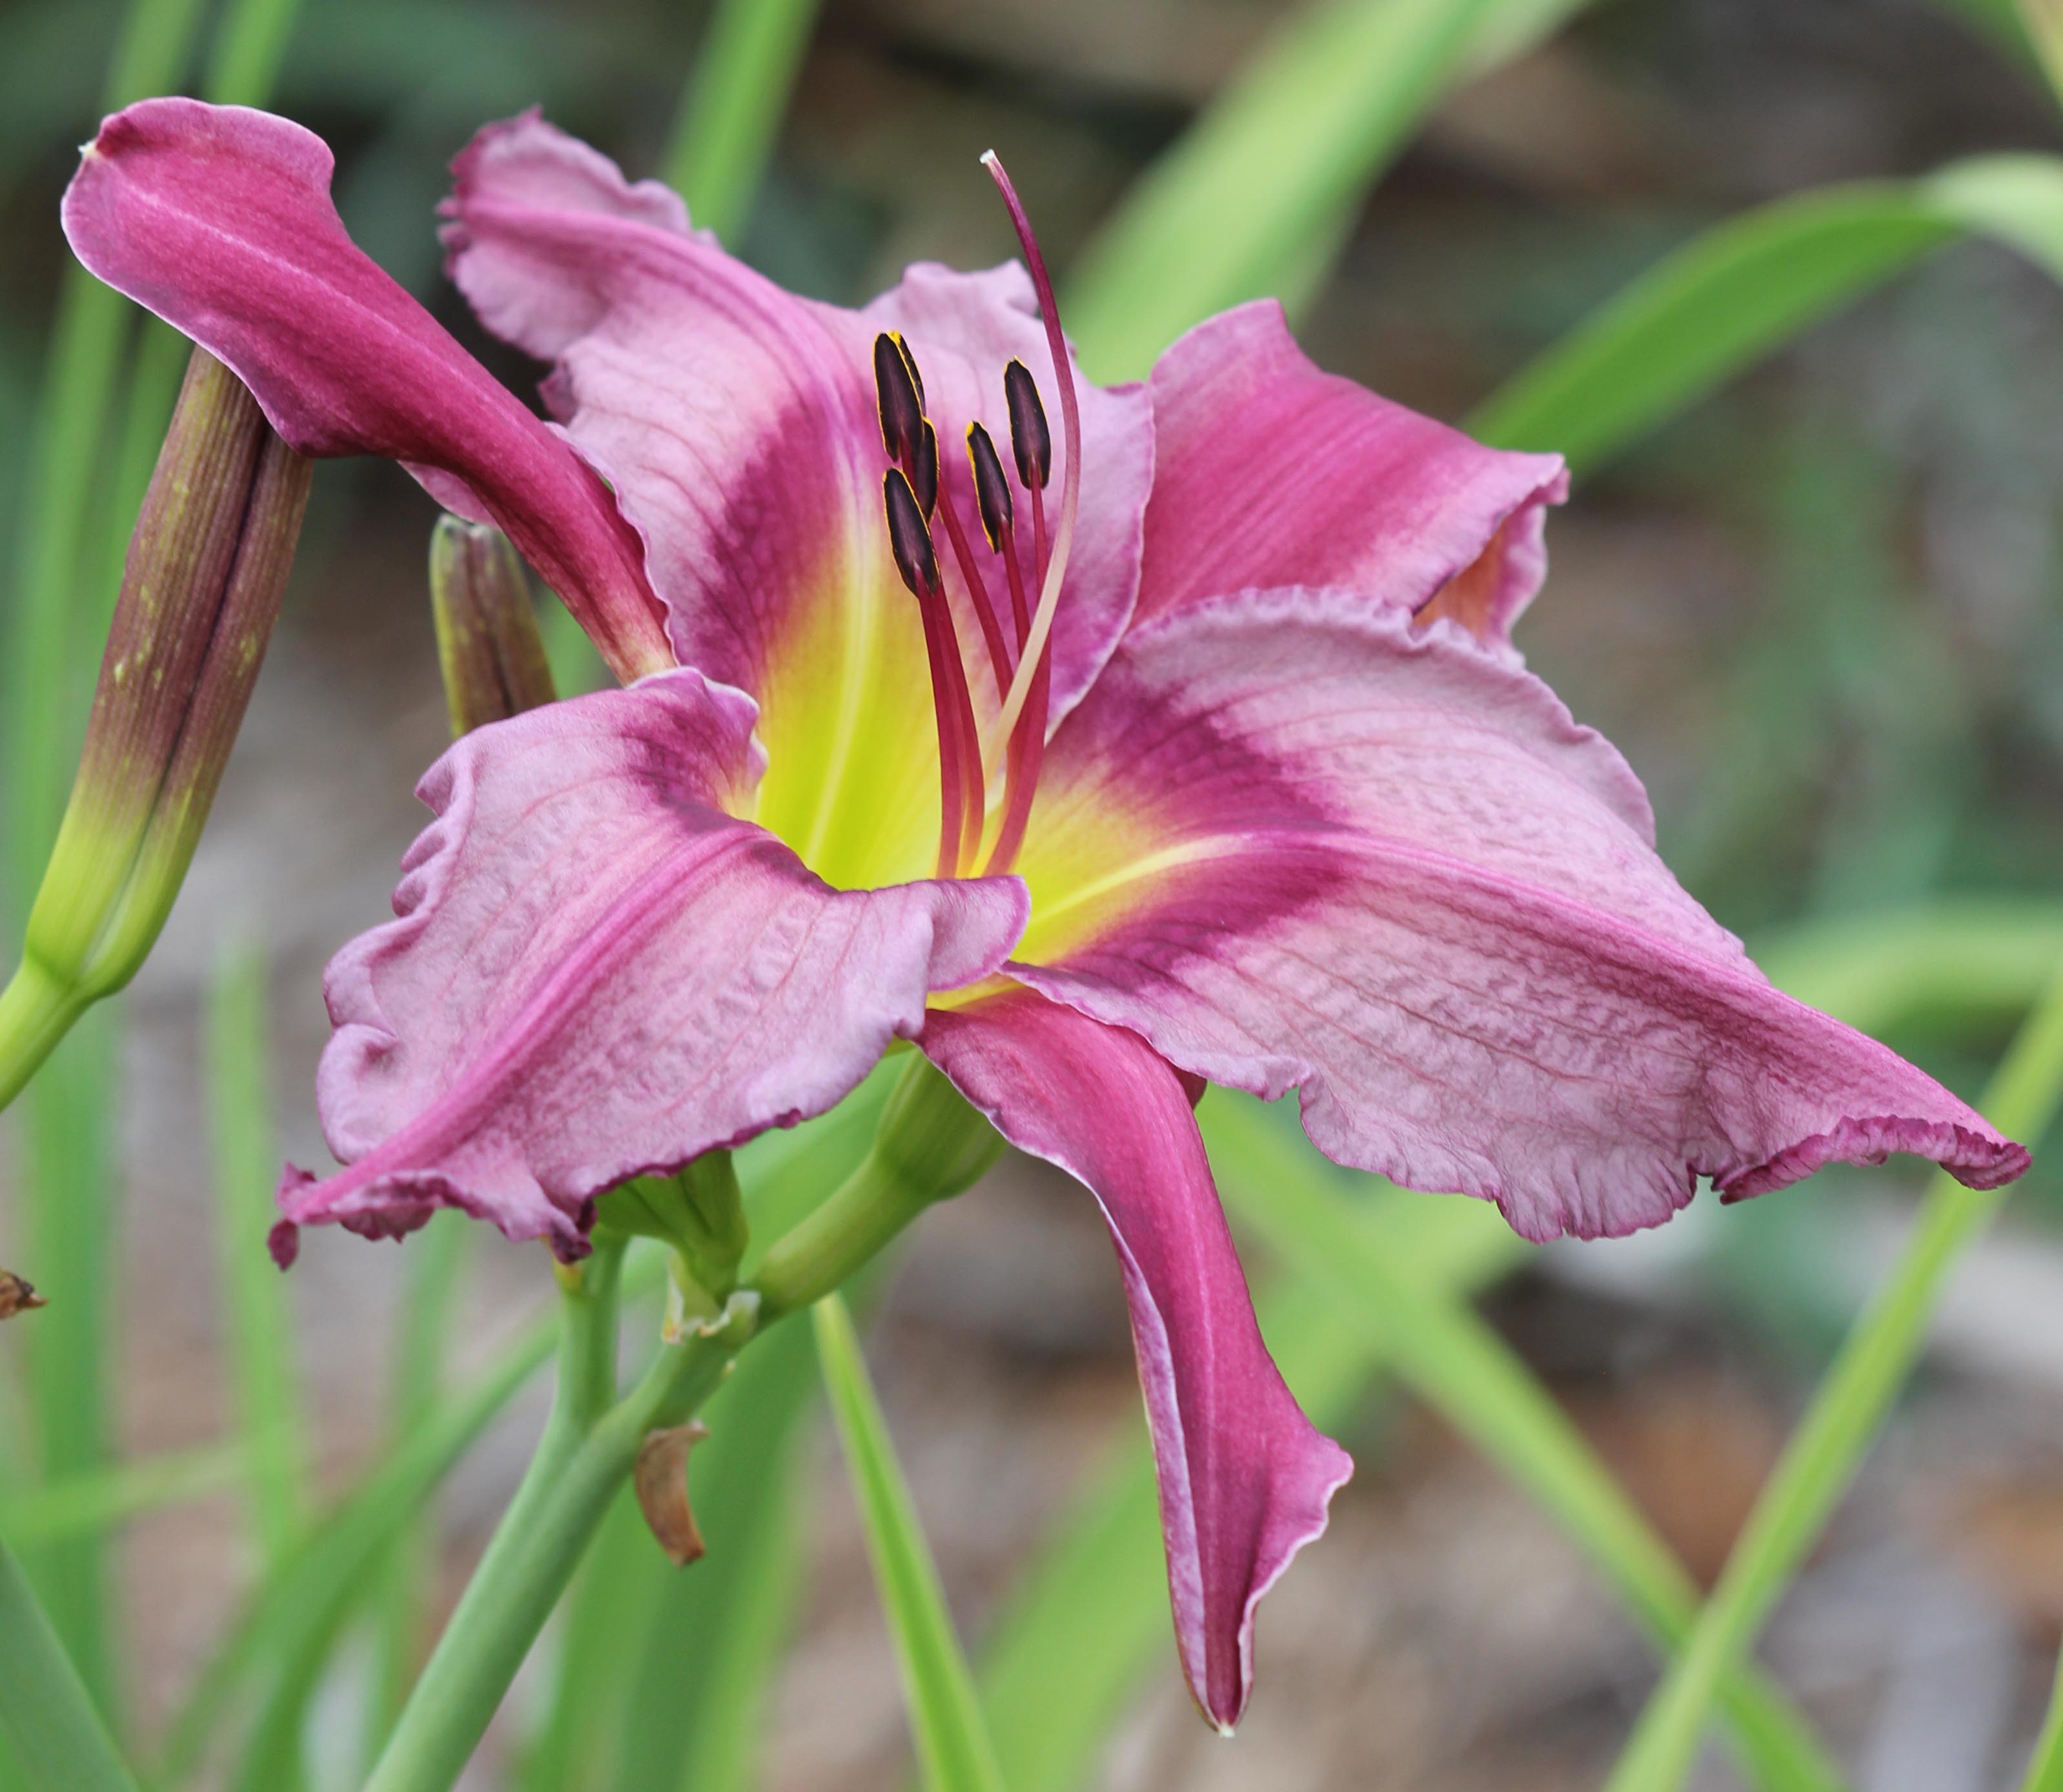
(1275, 805)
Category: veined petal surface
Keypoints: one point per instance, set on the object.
(737, 423)
(218, 218)
(1271, 473)
(1296, 841)
(1245, 1479)
(597, 971)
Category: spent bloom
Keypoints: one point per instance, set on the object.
(1183, 741)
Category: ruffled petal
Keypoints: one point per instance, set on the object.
(1296, 841)
(1271, 472)
(1245, 1478)
(597, 971)
(737, 423)
(219, 220)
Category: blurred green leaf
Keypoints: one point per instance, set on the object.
(1847, 1411)
(294, 1616)
(1256, 195)
(1747, 286)
(259, 1334)
(704, 1670)
(1954, 960)
(731, 114)
(44, 1706)
(1299, 1207)
(115, 1495)
(433, 1261)
(953, 1748)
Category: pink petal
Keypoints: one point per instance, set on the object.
(1380, 864)
(1245, 1479)
(596, 971)
(219, 220)
(1270, 473)
(736, 421)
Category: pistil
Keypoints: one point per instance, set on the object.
(1056, 566)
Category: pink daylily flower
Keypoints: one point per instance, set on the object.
(1225, 770)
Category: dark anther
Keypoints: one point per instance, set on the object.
(915, 558)
(909, 365)
(902, 410)
(924, 473)
(991, 487)
(1030, 441)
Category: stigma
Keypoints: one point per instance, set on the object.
(985, 787)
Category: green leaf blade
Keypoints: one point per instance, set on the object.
(953, 1751)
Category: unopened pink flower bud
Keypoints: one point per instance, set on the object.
(206, 567)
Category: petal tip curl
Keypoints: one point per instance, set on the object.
(1977, 1160)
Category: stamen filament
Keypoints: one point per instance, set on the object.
(991, 631)
(1071, 434)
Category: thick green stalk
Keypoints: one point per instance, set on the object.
(45, 1706)
(1846, 1413)
(581, 1465)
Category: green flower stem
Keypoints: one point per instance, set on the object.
(1844, 1416)
(930, 1145)
(44, 1705)
(36, 1010)
(588, 1450)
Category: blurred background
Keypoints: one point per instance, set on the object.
(1821, 612)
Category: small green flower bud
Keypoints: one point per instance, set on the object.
(697, 1211)
(930, 1145)
(488, 643)
(207, 565)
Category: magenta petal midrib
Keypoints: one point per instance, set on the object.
(469, 1101)
(1698, 968)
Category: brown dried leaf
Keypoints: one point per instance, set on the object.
(16, 1296)
(661, 1481)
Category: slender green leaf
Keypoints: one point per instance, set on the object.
(1302, 128)
(297, 1611)
(113, 1496)
(1454, 1361)
(2045, 1767)
(44, 1707)
(435, 1258)
(1747, 286)
(1957, 960)
(731, 113)
(1260, 194)
(250, 44)
(1089, 1618)
(1846, 1412)
(706, 1665)
(260, 1333)
(953, 1748)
